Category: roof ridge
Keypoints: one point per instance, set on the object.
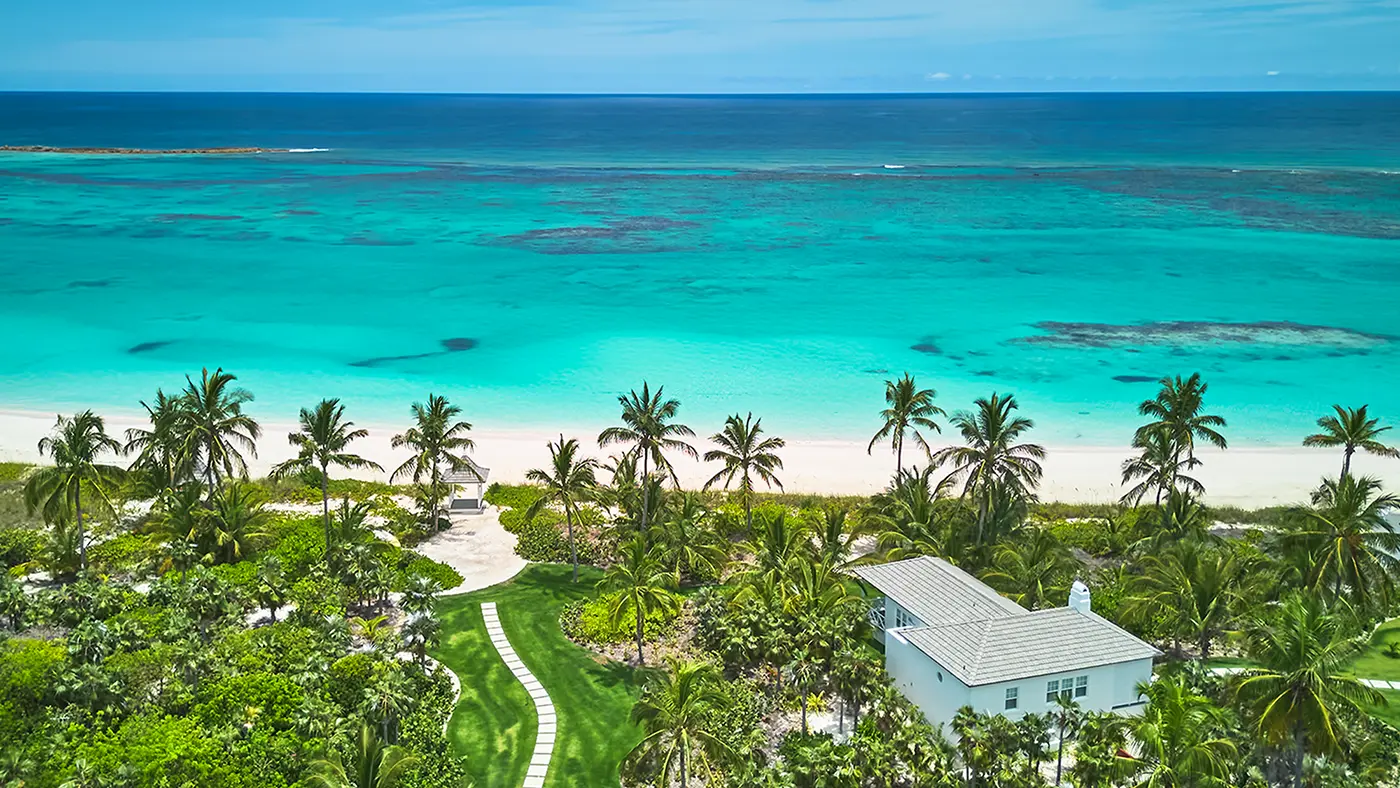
(981, 647)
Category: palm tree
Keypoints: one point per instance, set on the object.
(640, 583)
(158, 450)
(437, 440)
(745, 454)
(910, 409)
(688, 545)
(680, 713)
(1180, 739)
(1066, 715)
(321, 442)
(1297, 692)
(1351, 429)
(372, 765)
(992, 457)
(1158, 468)
(1194, 588)
(214, 429)
(647, 425)
(1035, 572)
(836, 534)
(271, 590)
(235, 520)
(1177, 410)
(57, 491)
(569, 481)
(1351, 542)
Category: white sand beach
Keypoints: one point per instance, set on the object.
(1244, 476)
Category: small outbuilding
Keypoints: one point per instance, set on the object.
(463, 482)
(952, 641)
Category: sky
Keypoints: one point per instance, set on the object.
(700, 46)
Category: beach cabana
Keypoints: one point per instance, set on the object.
(461, 481)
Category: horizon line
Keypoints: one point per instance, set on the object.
(702, 94)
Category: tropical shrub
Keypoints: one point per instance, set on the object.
(276, 698)
(546, 542)
(20, 545)
(588, 621)
(160, 751)
(421, 566)
(122, 553)
(348, 678)
(513, 520)
(27, 671)
(315, 597)
(512, 496)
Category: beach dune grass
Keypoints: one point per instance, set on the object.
(494, 723)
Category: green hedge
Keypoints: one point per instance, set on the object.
(423, 566)
(309, 490)
(512, 496)
(513, 520)
(588, 621)
(547, 543)
(20, 545)
(123, 553)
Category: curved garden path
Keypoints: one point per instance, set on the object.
(476, 545)
(544, 708)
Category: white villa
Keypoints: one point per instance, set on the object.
(951, 641)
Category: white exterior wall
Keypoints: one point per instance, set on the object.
(1110, 688)
(892, 611)
(935, 691)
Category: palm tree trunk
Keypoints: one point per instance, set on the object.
(1346, 460)
(573, 547)
(1298, 756)
(804, 711)
(1060, 756)
(209, 465)
(82, 538)
(1204, 644)
(684, 781)
(326, 511)
(646, 475)
(898, 457)
(641, 621)
(432, 499)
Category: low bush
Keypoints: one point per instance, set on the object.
(20, 545)
(124, 553)
(275, 698)
(512, 496)
(513, 520)
(589, 621)
(348, 678)
(422, 566)
(547, 543)
(308, 489)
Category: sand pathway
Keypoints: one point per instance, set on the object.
(478, 548)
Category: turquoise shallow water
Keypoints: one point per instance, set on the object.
(741, 272)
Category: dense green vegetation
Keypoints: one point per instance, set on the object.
(202, 638)
(710, 637)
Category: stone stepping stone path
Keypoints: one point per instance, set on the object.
(1378, 684)
(544, 708)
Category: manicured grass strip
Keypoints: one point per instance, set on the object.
(593, 697)
(1373, 662)
(1390, 712)
(494, 723)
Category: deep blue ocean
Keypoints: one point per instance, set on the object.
(532, 257)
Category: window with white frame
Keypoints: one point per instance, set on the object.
(1069, 689)
(1012, 697)
(902, 619)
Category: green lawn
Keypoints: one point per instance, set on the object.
(1373, 663)
(1390, 712)
(494, 723)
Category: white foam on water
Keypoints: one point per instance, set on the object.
(308, 150)
(893, 166)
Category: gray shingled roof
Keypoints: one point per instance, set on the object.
(1040, 643)
(938, 592)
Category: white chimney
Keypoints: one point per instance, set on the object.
(1079, 597)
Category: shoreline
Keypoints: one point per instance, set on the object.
(1248, 477)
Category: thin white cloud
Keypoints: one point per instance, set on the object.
(1271, 73)
(938, 77)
